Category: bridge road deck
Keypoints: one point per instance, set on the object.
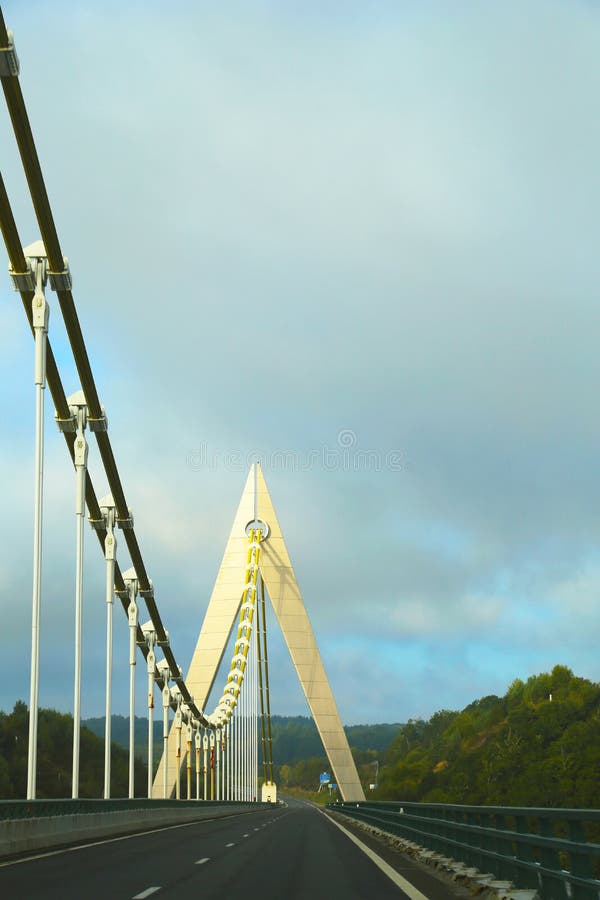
(292, 852)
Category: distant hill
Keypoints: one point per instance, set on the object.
(539, 745)
(55, 754)
(120, 732)
(294, 738)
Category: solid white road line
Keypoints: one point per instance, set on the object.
(409, 889)
(146, 893)
(200, 862)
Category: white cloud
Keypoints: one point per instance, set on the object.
(303, 220)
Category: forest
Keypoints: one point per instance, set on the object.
(538, 745)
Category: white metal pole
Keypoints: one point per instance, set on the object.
(189, 733)
(225, 750)
(211, 741)
(242, 789)
(230, 756)
(197, 744)
(80, 448)
(151, 661)
(255, 718)
(132, 614)
(242, 730)
(41, 313)
(217, 763)
(236, 752)
(250, 689)
(110, 548)
(205, 763)
(250, 697)
(178, 726)
(166, 695)
(245, 735)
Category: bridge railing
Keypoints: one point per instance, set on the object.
(551, 850)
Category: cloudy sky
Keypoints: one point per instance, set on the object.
(357, 241)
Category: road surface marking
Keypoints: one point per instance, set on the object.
(230, 845)
(200, 862)
(146, 893)
(409, 889)
(246, 835)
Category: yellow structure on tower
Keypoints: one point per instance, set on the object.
(282, 588)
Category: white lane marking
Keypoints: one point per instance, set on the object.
(146, 893)
(409, 889)
(246, 835)
(200, 862)
(230, 845)
(122, 837)
(256, 829)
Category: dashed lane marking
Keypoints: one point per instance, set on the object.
(200, 862)
(143, 894)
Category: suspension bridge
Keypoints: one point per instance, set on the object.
(211, 820)
(224, 741)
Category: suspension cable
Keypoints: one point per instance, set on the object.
(266, 663)
(59, 269)
(261, 691)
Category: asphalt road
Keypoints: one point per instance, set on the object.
(293, 852)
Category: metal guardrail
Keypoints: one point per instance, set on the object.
(35, 809)
(545, 849)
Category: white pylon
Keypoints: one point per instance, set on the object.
(281, 585)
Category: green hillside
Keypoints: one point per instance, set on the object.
(55, 754)
(539, 745)
(295, 738)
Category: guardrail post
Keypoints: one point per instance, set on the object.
(525, 852)
(580, 864)
(552, 886)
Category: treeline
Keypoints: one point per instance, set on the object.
(297, 752)
(55, 756)
(539, 745)
(295, 738)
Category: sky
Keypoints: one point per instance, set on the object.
(359, 243)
